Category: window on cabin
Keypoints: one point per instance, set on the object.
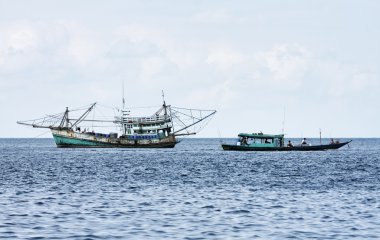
(268, 140)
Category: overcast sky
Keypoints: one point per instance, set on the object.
(250, 60)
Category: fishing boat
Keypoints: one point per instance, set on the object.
(269, 142)
(159, 130)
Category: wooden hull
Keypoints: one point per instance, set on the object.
(229, 147)
(67, 139)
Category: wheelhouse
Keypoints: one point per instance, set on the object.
(260, 140)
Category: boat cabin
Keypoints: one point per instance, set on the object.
(260, 140)
(155, 127)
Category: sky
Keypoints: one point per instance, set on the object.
(264, 66)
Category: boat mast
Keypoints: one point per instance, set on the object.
(164, 105)
(171, 118)
(166, 113)
(65, 119)
(124, 113)
(83, 115)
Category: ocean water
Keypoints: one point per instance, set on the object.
(194, 191)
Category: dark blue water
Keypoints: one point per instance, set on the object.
(194, 191)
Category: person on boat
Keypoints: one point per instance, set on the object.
(266, 140)
(290, 144)
(304, 142)
(332, 141)
(244, 141)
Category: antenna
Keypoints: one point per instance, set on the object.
(283, 122)
(123, 105)
(163, 96)
(220, 136)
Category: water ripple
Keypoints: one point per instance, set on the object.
(194, 191)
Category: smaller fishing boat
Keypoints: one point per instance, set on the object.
(269, 142)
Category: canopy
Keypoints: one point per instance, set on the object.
(260, 135)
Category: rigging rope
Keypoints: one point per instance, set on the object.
(39, 135)
(202, 110)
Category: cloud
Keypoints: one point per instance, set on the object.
(143, 36)
(66, 61)
(66, 51)
(125, 48)
(224, 59)
(214, 96)
(217, 17)
(289, 71)
(344, 80)
(282, 68)
(45, 48)
(285, 65)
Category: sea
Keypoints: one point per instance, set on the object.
(193, 191)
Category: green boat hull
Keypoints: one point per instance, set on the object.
(72, 142)
(230, 147)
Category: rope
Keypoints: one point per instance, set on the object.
(202, 110)
(39, 135)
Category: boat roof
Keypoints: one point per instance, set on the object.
(260, 135)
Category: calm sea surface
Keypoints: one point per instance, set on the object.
(194, 191)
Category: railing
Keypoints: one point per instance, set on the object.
(145, 119)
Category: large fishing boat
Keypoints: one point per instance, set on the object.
(159, 130)
(269, 142)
